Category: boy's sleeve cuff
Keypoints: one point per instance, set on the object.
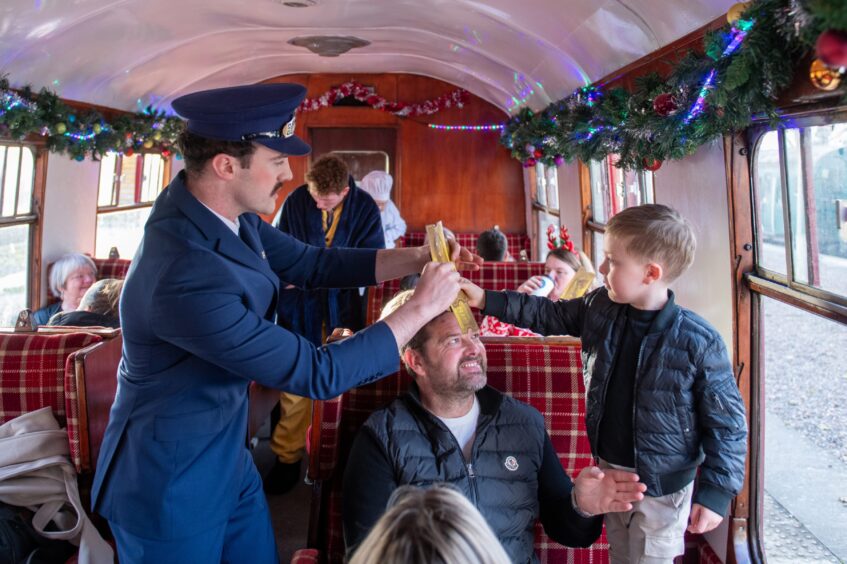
(495, 304)
(713, 498)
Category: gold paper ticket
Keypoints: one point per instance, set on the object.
(579, 285)
(440, 252)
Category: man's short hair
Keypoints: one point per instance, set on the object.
(328, 175)
(197, 151)
(492, 245)
(656, 233)
(395, 303)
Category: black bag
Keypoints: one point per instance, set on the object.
(21, 544)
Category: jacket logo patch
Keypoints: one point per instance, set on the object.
(511, 463)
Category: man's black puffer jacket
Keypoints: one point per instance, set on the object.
(687, 408)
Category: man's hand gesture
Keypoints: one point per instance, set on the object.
(605, 491)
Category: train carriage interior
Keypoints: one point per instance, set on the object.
(544, 118)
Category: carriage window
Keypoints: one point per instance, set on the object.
(544, 196)
(799, 176)
(805, 446)
(613, 189)
(17, 224)
(800, 184)
(128, 186)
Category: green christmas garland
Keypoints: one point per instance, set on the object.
(741, 71)
(81, 133)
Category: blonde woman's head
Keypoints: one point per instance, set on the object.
(430, 526)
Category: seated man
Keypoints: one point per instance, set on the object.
(97, 308)
(493, 246)
(451, 427)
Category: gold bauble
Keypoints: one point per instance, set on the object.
(735, 11)
(148, 144)
(823, 77)
(157, 135)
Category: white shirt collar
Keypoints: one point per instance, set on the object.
(233, 225)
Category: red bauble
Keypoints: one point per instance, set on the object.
(651, 165)
(538, 153)
(831, 48)
(664, 104)
(129, 152)
(530, 162)
(166, 153)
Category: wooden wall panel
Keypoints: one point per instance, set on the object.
(466, 179)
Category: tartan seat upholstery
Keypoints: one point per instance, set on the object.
(112, 267)
(515, 242)
(547, 374)
(490, 276)
(38, 370)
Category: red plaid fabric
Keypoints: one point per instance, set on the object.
(547, 377)
(515, 242)
(112, 268)
(491, 276)
(37, 371)
(706, 553)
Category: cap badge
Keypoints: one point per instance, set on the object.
(511, 463)
(288, 128)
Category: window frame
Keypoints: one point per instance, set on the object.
(138, 188)
(536, 208)
(33, 218)
(591, 226)
(774, 284)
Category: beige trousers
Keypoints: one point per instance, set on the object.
(652, 532)
(288, 440)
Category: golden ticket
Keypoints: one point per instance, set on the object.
(579, 285)
(440, 252)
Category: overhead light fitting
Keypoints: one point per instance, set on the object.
(299, 3)
(329, 45)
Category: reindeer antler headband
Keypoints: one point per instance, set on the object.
(563, 241)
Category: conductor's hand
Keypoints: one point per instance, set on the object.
(605, 491)
(530, 285)
(464, 259)
(702, 519)
(476, 295)
(437, 289)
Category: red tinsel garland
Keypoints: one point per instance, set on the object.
(362, 93)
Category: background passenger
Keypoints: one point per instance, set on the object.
(561, 266)
(378, 184)
(70, 277)
(328, 211)
(430, 526)
(98, 307)
(493, 246)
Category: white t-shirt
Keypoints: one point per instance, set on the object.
(464, 427)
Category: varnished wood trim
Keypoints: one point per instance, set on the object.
(802, 300)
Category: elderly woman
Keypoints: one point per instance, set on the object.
(70, 277)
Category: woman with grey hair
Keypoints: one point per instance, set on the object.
(430, 526)
(70, 277)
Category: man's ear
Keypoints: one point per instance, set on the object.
(653, 272)
(413, 361)
(344, 192)
(224, 166)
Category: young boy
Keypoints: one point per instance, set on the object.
(661, 396)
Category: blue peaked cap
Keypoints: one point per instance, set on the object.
(262, 113)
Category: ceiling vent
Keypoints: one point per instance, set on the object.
(300, 3)
(329, 45)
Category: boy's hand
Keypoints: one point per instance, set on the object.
(476, 295)
(702, 519)
(604, 491)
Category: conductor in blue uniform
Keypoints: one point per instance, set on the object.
(174, 477)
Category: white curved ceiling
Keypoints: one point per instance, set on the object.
(127, 54)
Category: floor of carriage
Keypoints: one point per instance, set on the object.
(289, 512)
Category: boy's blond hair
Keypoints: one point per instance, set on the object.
(656, 233)
(328, 175)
